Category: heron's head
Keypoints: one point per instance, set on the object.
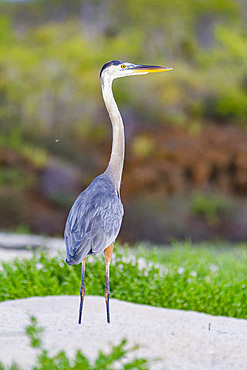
(117, 68)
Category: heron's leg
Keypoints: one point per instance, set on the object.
(82, 290)
(108, 255)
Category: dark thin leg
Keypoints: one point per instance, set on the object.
(108, 255)
(107, 294)
(82, 290)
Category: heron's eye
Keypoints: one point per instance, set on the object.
(123, 66)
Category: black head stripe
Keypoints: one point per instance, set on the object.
(108, 64)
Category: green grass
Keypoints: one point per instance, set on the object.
(203, 279)
(61, 362)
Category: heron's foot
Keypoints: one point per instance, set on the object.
(107, 299)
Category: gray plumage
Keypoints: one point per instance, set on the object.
(96, 216)
(94, 220)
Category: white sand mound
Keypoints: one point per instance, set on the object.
(180, 339)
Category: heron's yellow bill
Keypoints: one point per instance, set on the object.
(150, 69)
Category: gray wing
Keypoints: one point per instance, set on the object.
(94, 220)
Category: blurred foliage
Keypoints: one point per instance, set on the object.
(51, 52)
(49, 61)
(210, 206)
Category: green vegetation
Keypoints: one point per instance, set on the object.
(202, 279)
(51, 108)
(210, 206)
(49, 65)
(81, 362)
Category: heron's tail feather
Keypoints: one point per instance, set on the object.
(84, 249)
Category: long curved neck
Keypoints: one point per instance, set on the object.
(115, 166)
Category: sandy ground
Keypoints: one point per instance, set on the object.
(179, 339)
(171, 339)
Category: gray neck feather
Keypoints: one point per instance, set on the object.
(115, 166)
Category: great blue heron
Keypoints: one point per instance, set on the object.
(96, 216)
